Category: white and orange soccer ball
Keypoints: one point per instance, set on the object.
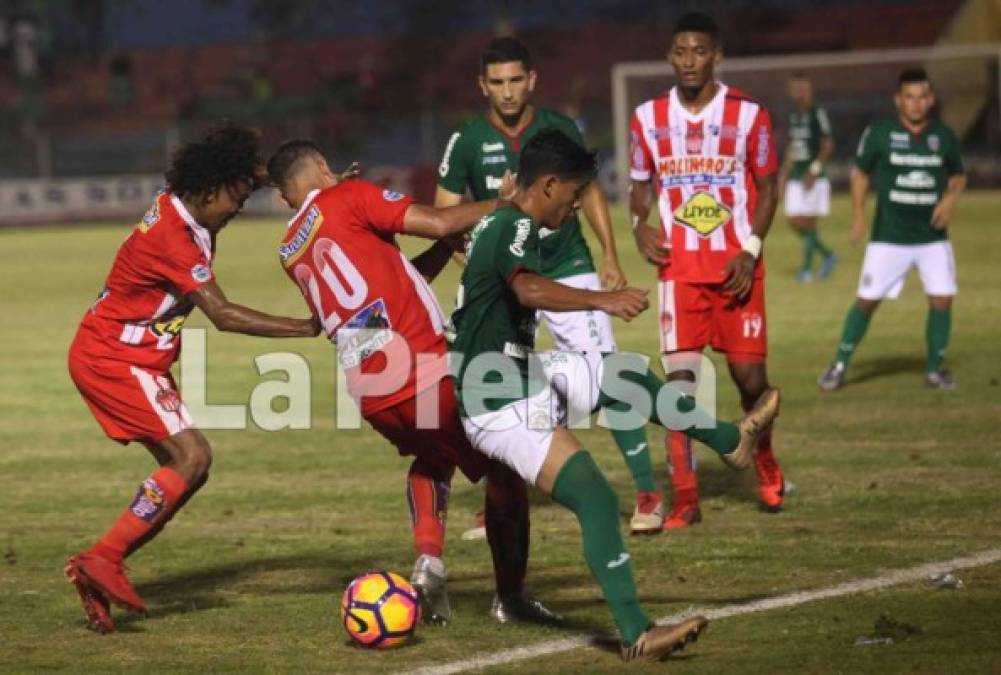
(380, 610)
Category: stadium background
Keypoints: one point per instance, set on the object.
(94, 94)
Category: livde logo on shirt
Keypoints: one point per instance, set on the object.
(703, 213)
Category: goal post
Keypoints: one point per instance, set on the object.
(855, 88)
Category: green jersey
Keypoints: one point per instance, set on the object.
(909, 175)
(488, 318)
(476, 157)
(806, 131)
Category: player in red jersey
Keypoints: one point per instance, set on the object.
(376, 306)
(706, 150)
(121, 356)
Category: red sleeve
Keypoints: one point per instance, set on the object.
(380, 208)
(762, 159)
(184, 265)
(640, 157)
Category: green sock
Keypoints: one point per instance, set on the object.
(856, 323)
(820, 246)
(809, 244)
(635, 450)
(937, 330)
(721, 436)
(581, 487)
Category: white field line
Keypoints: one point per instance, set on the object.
(882, 581)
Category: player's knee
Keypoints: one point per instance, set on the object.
(195, 460)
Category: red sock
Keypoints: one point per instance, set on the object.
(681, 466)
(156, 498)
(428, 499)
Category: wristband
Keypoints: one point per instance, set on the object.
(753, 246)
(816, 168)
(636, 222)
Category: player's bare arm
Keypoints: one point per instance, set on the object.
(595, 207)
(649, 240)
(230, 317)
(942, 215)
(536, 291)
(824, 154)
(432, 223)
(860, 182)
(432, 261)
(740, 270)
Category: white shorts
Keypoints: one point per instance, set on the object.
(582, 331)
(810, 203)
(885, 269)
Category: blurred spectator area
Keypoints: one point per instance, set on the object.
(118, 83)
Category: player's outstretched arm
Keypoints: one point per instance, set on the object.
(536, 291)
(649, 241)
(230, 317)
(595, 208)
(432, 223)
(443, 199)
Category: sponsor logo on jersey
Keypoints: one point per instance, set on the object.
(517, 246)
(168, 327)
(148, 501)
(763, 146)
(364, 334)
(494, 183)
(933, 142)
(660, 133)
(201, 273)
(152, 215)
(900, 140)
(391, 196)
(703, 213)
(493, 147)
(443, 167)
(911, 159)
(310, 225)
(916, 180)
(494, 159)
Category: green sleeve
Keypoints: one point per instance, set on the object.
(868, 149)
(517, 248)
(823, 122)
(453, 172)
(952, 158)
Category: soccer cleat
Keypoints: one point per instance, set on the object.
(751, 425)
(833, 378)
(828, 264)
(479, 528)
(658, 642)
(940, 379)
(429, 580)
(106, 577)
(804, 277)
(523, 608)
(95, 605)
(648, 516)
(771, 482)
(683, 515)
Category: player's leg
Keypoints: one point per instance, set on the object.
(428, 485)
(683, 370)
(751, 378)
(820, 204)
(937, 268)
(884, 269)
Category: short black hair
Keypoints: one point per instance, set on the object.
(228, 154)
(281, 166)
(911, 76)
(553, 152)
(505, 50)
(696, 22)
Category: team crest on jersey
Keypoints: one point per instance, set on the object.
(289, 251)
(364, 334)
(391, 196)
(694, 138)
(703, 213)
(933, 143)
(493, 147)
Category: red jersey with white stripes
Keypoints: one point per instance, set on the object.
(704, 166)
(138, 315)
(374, 305)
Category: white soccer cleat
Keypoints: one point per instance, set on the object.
(429, 581)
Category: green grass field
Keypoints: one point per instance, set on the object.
(248, 577)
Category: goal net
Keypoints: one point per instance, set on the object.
(855, 87)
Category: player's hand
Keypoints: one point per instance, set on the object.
(651, 244)
(612, 278)
(857, 233)
(508, 188)
(626, 304)
(942, 215)
(739, 275)
(809, 178)
(353, 171)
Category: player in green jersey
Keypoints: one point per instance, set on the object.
(803, 178)
(914, 166)
(476, 158)
(506, 390)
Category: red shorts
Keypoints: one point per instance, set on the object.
(443, 445)
(694, 316)
(130, 403)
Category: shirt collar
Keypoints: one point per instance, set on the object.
(202, 236)
(305, 205)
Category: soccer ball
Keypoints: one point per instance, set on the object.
(380, 610)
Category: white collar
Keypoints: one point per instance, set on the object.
(702, 114)
(310, 196)
(202, 236)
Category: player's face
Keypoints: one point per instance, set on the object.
(914, 101)
(507, 87)
(693, 57)
(563, 197)
(801, 92)
(224, 204)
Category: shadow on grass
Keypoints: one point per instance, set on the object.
(869, 370)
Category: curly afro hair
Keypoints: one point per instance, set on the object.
(228, 154)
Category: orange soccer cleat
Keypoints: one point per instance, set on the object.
(771, 482)
(683, 515)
